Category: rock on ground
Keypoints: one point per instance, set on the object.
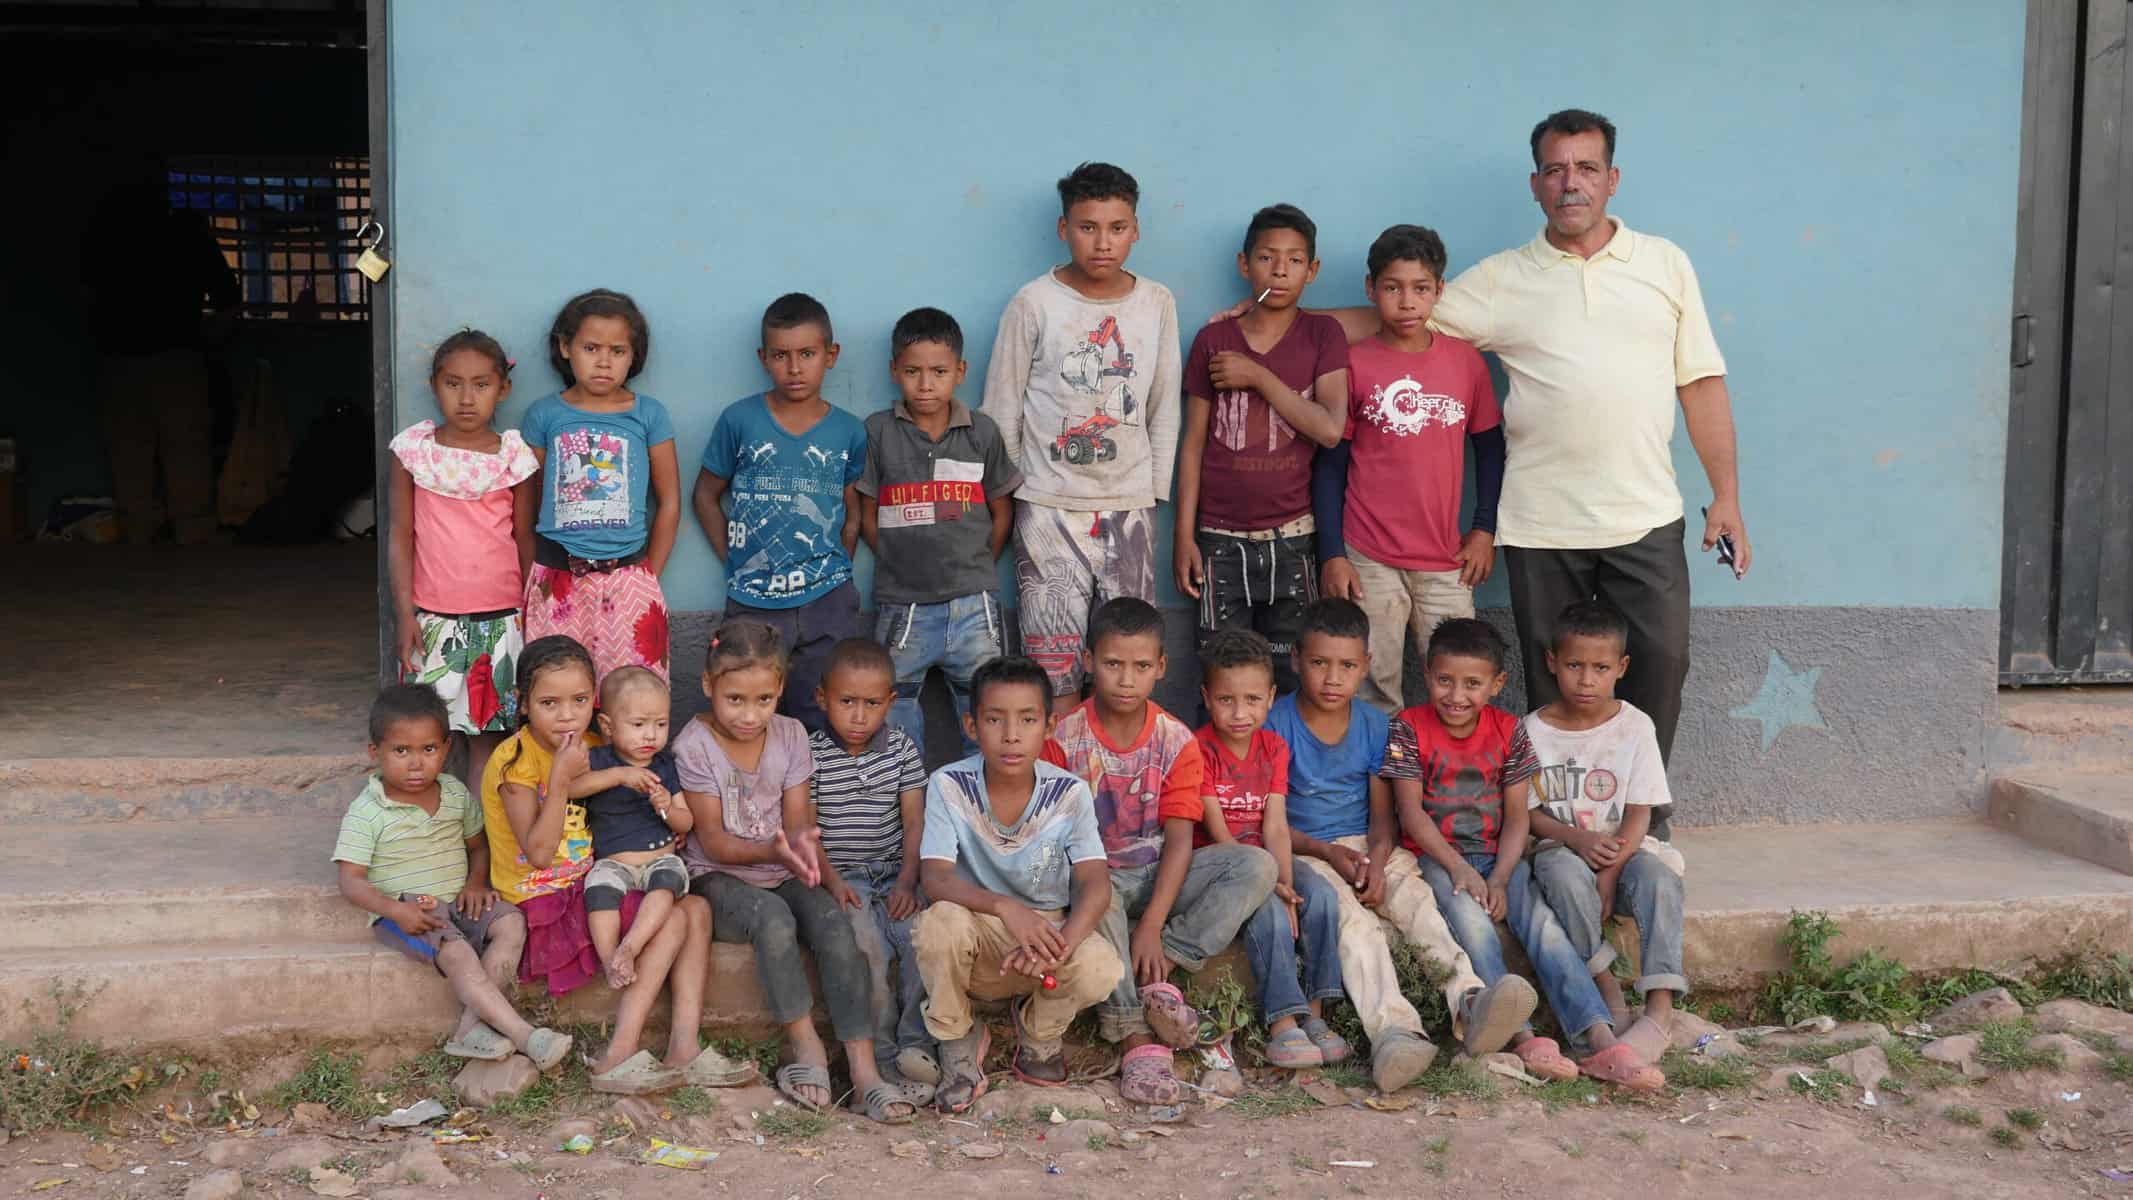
(215, 1185)
(1076, 1134)
(1979, 1008)
(1959, 1052)
(303, 1156)
(1689, 1029)
(1002, 1103)
(232, 1152)
(1873, 1031)
(421, 1165)
(1867, 1066)
(2074, 1052)
(482, 1083)
(2062, 1015)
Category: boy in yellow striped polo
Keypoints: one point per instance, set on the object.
(411, 853)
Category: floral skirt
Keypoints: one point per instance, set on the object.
(464, 657)
(619, 616)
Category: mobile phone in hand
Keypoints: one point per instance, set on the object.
(1724, 546)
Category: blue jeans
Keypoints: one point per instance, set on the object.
(1647, 890)
(958, 636)
(1273, 949)
(886, 947)
(1564, 980)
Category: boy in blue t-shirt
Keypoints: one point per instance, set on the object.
(788, 460)
(1341, 825)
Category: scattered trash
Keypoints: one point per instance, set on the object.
(409, 1117)
(1758, 1031)
(1251, 1152)
(681, 1158)
(1922, 1030)
(1058, 1118)
(1703, 1041)
(577, 1143)
(1731, 1135)
(457, 1137)
(138, 1171)
(1495, 1065)
(1052, 1168)
(1707, 1110)
(1167, 1114)
(910, 1149)
(2070, 1097)
(1389, 1103)
(1823, 1024)
(1362, 1164)
(1868, 1100)
(2114, 1174)
(981, 1149)
(44, 1185)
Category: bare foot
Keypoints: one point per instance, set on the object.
(622, 967)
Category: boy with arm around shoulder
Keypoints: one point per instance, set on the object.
(1084, 386)
(935, 507)
(1016, 873)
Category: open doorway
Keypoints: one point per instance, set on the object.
(186, 448)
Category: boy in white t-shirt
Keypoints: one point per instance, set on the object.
(1600, 777)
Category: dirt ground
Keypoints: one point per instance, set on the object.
(1749, 1143)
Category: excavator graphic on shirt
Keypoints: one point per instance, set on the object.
(1101, 356)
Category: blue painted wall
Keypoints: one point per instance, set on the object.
(1842, 174)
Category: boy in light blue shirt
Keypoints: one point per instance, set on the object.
(1017, 875)
(786, 461)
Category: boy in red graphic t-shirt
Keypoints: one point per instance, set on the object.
(1460, 769)
(1387, 498)
(1246, 789)
(1263, 391)
(1144, 768)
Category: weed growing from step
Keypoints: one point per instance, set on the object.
(762, 1051)
(429, 1075)
(2090, 975)
(1691, 1072)
(334, 1080)
(1557, 1094)
(692, 1102)
(1449, 1078)
(789, 1123)
(2005, 1045)
(1284, 1101)
(56, 1079)
(1823, 1085)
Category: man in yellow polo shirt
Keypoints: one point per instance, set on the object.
(1602, 331)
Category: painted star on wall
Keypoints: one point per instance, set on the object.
(1786, 699)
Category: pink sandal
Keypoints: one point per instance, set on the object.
(1543, 1059)
(1619, 1064)
(1173, 1021)
(1147, 1076)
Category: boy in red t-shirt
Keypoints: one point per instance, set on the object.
(1245, 790)
(1263, 391)
(1145, 770)
(1387, 499)
(1460, 768)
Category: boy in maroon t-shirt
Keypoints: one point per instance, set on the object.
(1387, 498)
(1262, 392)
(1245, 787)
(1460, 769)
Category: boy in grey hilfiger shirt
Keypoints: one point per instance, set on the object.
(1084, 387)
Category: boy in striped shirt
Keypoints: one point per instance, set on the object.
(870, 803)
(412, 854)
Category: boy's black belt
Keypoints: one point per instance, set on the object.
(553, 556)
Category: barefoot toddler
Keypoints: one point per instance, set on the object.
(631, 790)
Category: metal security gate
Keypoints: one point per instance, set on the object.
(2066, 586)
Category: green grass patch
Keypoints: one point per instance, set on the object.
(1351, 1073)
(791, 1124)
(536, 1103)
(2090, 974)
(2005, 1045)
(429, 1074)
(1963, 1114)
(693, 1101)
(1691, 1072)
(763, 1051)
(1823, 1085)
(1448, 1078)
(57, 1080)
(1903, 1055)
(2027, 1118)
(1439, 1144)
(1284, 1101)
(1557, 1094)
(334, 1080)
(2003, 1137)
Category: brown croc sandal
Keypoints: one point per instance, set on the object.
(1620, 1065)
(1173, 1021)
(1543, 1059)
(1147, 1076)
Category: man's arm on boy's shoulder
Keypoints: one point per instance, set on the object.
(709, 516)
(1014, 350)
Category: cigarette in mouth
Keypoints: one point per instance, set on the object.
(1263, 295)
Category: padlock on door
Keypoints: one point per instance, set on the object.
(372, 264)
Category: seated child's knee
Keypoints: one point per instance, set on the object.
(666, 876)
(603, 897)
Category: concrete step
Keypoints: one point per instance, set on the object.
(2069, 728)
(88, 790)
(2088, 814)
(237, 931)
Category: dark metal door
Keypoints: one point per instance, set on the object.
(2066, 585)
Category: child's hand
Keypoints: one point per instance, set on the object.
(643, 779)
(1238, 309)
(1023, 962)
(475, 901)
(1038, 940)
(410, 632)
(1469, 881)
(1476, 557)
(842, 893)
(413, 918)
(1606, 882)
(1352, 865)
(571, 757)
(903, 899)
(1236, 371)
(1150, 964)
(1187, 565)
(800, 860)
(1287, 895)
(1499, 901)
(1373, 890)
(1338, 580)
(1597, 849)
